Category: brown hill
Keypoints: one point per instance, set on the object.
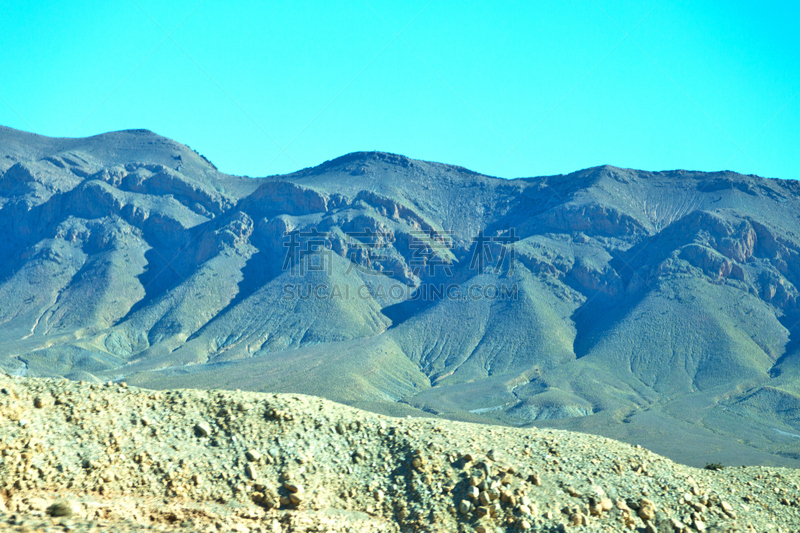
(81, 457)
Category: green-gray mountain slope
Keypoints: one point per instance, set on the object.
(654, 307)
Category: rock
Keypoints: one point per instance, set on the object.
(676, 524)
(606, 504)
(578, 519)
(59, 508)
(253, 455)
(727, 508)
(647, 509)
(465, 507)
(294, 488)
(202, 429)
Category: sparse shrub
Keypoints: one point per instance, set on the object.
(714, 466)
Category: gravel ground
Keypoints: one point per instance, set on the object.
(86, 457)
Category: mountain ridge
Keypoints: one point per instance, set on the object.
(610, 300)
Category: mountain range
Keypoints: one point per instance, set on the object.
(657, 308)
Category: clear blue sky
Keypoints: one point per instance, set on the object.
(504, 88)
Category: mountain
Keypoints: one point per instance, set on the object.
(658, 308)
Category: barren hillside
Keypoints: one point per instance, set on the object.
(652, 307)
(85, 457)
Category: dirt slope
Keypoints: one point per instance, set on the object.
(102, 457)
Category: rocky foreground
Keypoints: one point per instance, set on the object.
(83, 457)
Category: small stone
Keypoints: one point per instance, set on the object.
(252, 455)
(647, 509)
(378, 495)
(202, 429)
(465, 507)
(524, 525)
(38, 402)
(60, 508)
(294, 488)
(578, 519)
(676, 524)
(606, 504)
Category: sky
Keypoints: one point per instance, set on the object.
(509, 89)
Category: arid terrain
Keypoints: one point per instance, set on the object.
(91, 457)
(655, 308)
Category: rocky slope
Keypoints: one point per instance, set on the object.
(652, 307)
(81, 457)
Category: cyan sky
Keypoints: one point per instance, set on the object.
(505, 88)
